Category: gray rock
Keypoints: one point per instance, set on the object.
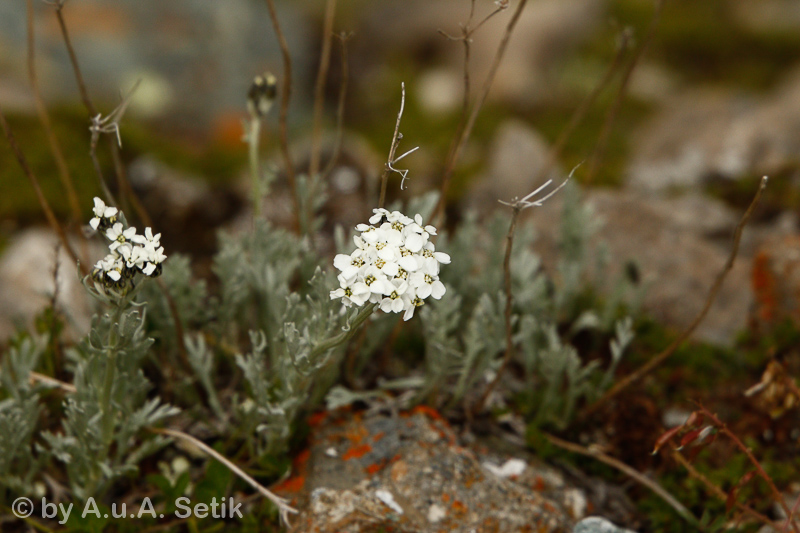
(196, 59)
(408, 472)
(27, 284)
(703, 135)
(546, 33)
(679, 244)
(517, 155)
(596, 524)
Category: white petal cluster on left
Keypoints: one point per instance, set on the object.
(394, 265)
(130, 253)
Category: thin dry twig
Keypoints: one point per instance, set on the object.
(464, 134)
(637, 476)
(44, 117)
(391, 160)
(319, 88)
(776, 494)
(718, 492)
(669, 350)
(45, 205)
(41, 378)
(283, 137)
(517, 205)
(580, 112)
(87, 102)
(283, 505)
(337, 143)
(608, 124)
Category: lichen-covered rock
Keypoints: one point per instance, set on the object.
(407, 473)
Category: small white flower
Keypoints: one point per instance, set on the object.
(147, 238)
(104, 215)
(394, 264)
(118, 236)
(101, 210)
(394, 302)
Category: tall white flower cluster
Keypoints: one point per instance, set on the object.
(394, 265)
(130, 253)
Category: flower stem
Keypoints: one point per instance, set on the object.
(346, 335)
(108, 382)
(253, 138)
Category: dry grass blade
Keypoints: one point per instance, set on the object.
(629, 471)
(283, 505)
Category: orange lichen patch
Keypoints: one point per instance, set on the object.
(227, 129)
(301, 460)
(356, 452)
(298, 479)
(293, 484)
(375, 468)
(445, 497)
(378, 436)
(459, 508)
(430, 412)
(764, 287)
(317, 419)
(548, 507)
(358, 435)
(539, 484)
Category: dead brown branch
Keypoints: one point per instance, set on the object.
(466, 131)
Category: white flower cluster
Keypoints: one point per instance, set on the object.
(394, 265)
(129, 253)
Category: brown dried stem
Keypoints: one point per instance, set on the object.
(669, 350)
(337, 143)
(87, 102)
(776, 494)
(608, 124)
(580, 113)
(45, 205)
(464, 134)
(393, 148)
(44, 117)
(286, 92)
(319, 89)
(718, 492)
(637, 476)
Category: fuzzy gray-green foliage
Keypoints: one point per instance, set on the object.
(90, 426)
(287, 365)
(19, 414)
(465, 332)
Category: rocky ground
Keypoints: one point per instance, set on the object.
(701, 124)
